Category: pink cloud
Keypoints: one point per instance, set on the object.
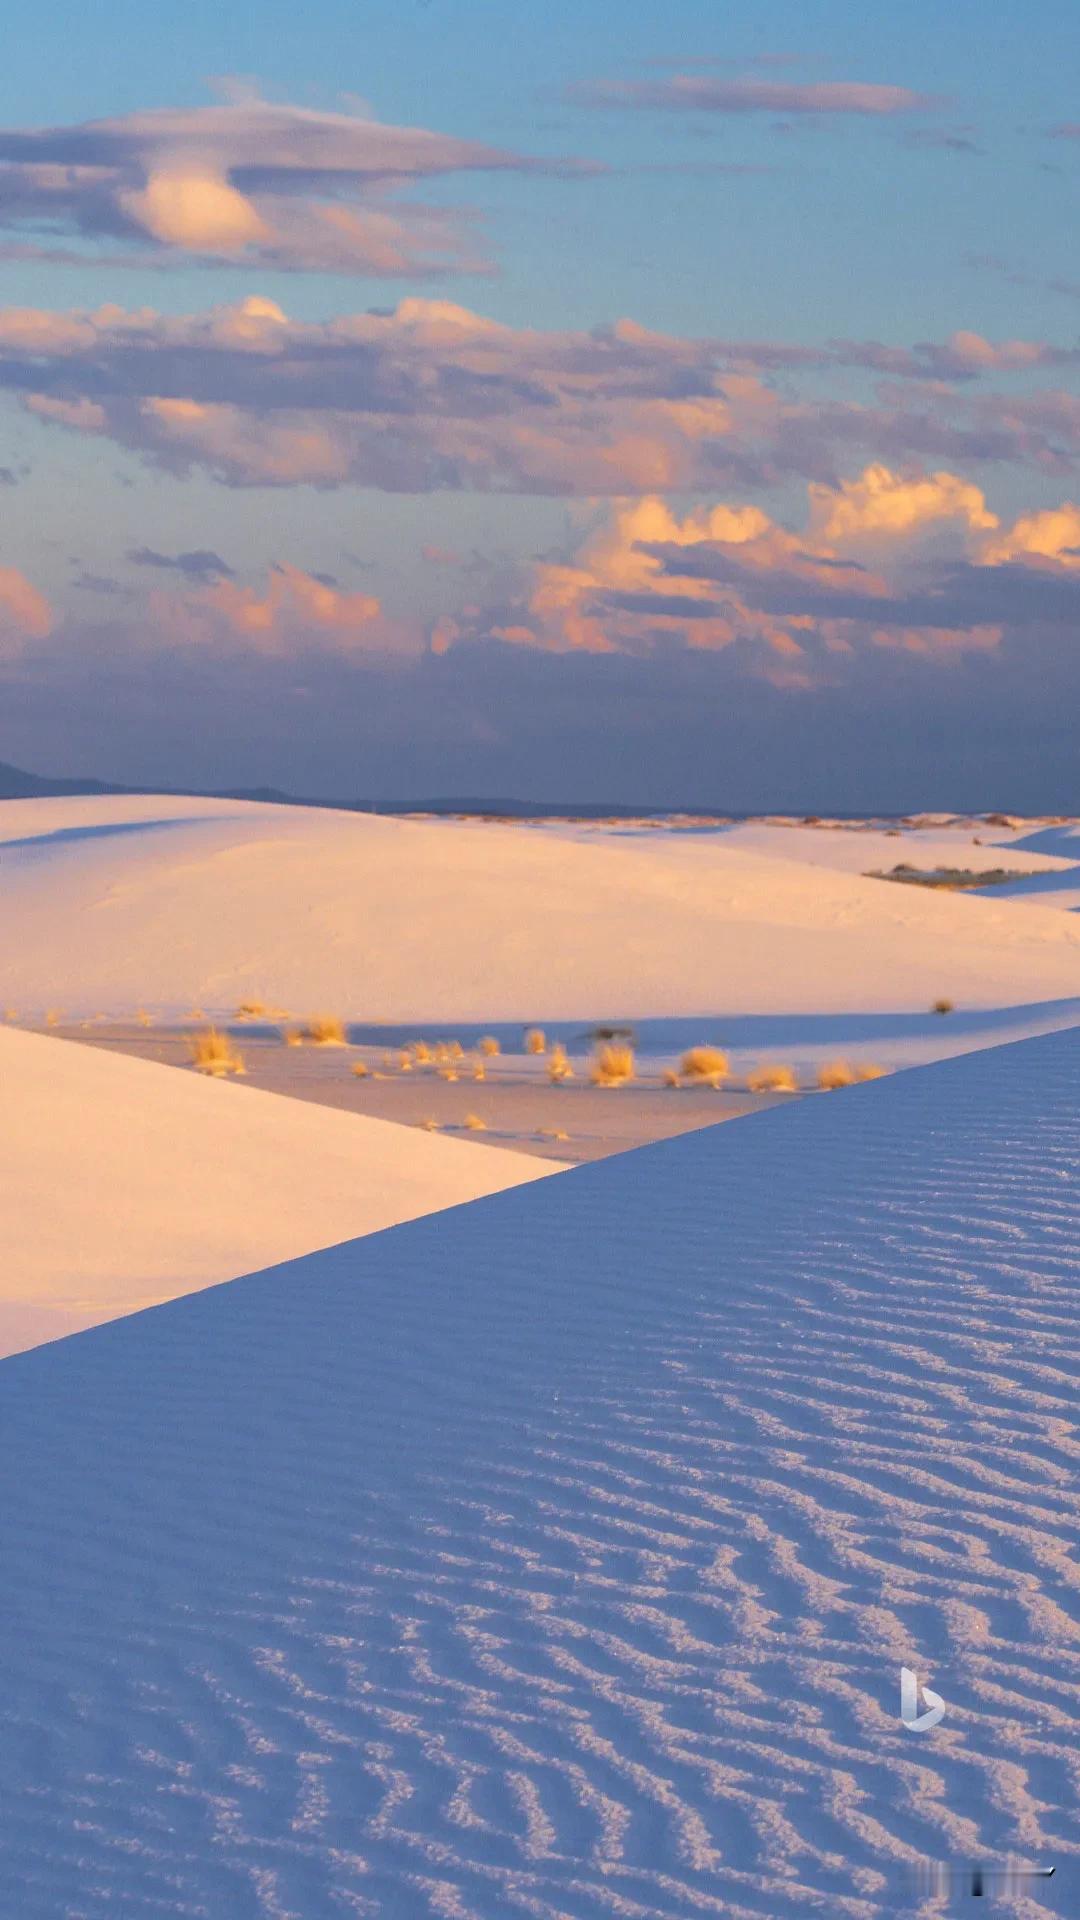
(707, 93)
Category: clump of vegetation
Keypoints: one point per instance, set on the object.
(448, 1073)
(324, 1030)
(213, 1052)
(559, 1068)
(474, 1123)
(489, 1046)
(293, 1037)
(834, 1074)
(869, 1070)
(943, 1006)
(420, 1053)
(430, 1124)
(612, 1065)
(479, 1071)
(536, 1040)
(53, 1017)
(551, 1133)
(405, 1060)
(252, 1010)
(144, 1019)
(670, 1077)
(708, 1065)
(773, 1079)
(361, 1069)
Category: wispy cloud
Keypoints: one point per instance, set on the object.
(702, 92)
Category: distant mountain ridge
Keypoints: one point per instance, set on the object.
(17, 784)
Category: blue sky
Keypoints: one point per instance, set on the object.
(841, 235)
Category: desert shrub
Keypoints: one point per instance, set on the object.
(213, 1052)
(943, 1006)
(420, 1053)
(612, 1065)
(479, 1071)
(551, 1133)
(536, 1040)
(252, 1010)
(405, 1060)
(835, 1073)
(448, 1073)
(430, 1124)
(474, 1123)
(53, 1017)
(489, 1046)
(559, 1067)
(710, 1064)
(773, 1079)
(324, 1030)
(293, 1037)
(361, 1069)
(671, 1078)
(144, 1019)
(869, 1070)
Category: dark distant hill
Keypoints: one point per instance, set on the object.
(16, 784)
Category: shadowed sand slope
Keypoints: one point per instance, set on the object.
(166, 903)
(557, 1556)
(123, 1184)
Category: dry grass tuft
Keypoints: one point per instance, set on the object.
(833, 1074)
(474, 1123)
(559, 1068)
(670, 1077)
(536, 1040)
(53, 1017)
(479, 1071)
(709, 1064)
(943, 1006)
(361, 1069)
(252, 1010)
(405, 1060)
(773, 1079)
(869, 1070)
(448, 1073)
(293, 1037)
(551, 1133)
(489, 1046)
(430, 1124)
(144, 1019)
(213, 1052)
(612, 1065)
(324, 1030)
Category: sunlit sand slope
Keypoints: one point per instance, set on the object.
(557, 1556)
(123, 1183)
(168, 903)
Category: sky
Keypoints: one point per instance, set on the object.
(570, 403)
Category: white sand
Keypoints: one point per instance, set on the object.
(559, 1555)
(123, 1183)
(166, 903)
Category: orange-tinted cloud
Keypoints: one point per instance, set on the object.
(25, 614)
(297, 611)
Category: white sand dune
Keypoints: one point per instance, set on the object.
(557, 1556)
(170, 902)
(123, 1183)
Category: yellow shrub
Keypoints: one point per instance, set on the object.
(144, 1019)
(706, 1063)
(430, 1124)
(870, 1071)
(293, 1037)
(671, 1078)
(489, 1045)
(252, 1010)
(361, 1069)
(325, 1030)
(612, 1065)
(213, 1052)
(551, 1133)
(559, 1067)
(834, 1074)
(536, 1040)
(773, 1079)
(479, 1072)
(943, 1006)
(475, 1124)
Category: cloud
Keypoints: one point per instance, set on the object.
(297, 612)
(246, 182)
(25, 614)
(430, 395)
(885, 560)
(706, 93)
(200, 564)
